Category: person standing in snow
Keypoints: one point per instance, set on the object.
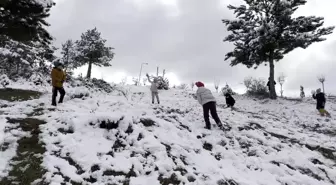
(321, 100)
(154, 89)
(208, 101)
(230, 101)
(57, 79)
(269, 84)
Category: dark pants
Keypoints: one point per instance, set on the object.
(54, 95)
(210, 107)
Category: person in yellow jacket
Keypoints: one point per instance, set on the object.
(57, 79)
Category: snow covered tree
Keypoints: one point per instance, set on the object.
(281, 79)
(266, 30)
(24, 20)
(248, 82)
(68, 55)
(183, 86)
(92, 50)
(123, 81)
(321, 79)
(25, 44)
(144, 81)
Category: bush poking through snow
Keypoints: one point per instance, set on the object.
(123, 92)
(4, 80)
(109, 125)
(147, 122)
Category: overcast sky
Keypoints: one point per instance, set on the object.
(185, 37)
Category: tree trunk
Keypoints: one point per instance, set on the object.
(281, 91)
(88, 75)
(323, 87)
(271, 79)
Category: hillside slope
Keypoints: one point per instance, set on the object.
(107, 139)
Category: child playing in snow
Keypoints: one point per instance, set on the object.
(154, 89)
(230, 101)
(321, 100)
(208, 101)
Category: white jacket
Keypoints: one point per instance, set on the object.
(204, 95)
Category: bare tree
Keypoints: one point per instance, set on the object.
(135, 81)
(281, 79)
(144, 80)
(248, 82)
(183, 86)
(192, 85)
(216, 83)
(123, 81)
(321, 79)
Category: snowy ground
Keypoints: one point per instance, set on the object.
(109, 139)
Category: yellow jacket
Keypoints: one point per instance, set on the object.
(57, 77)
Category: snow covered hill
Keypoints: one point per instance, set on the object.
(102, 139)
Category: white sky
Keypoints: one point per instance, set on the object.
(185, 38)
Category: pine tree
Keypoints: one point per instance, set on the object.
(25, 44)
(92, 50)
(265, 30)
(68, 55)
(24, 20)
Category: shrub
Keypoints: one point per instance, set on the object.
(257, 88)
(4, 80)
(163, 83)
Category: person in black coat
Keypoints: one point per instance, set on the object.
(269, 84)
(320, 102)
(230, 101)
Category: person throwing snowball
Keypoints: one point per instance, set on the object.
(154, 89)
(208, 101)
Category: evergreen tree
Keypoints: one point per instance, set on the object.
(69, 54)
(92, 50)
(24, 20)
(25, 44)
(265, 30)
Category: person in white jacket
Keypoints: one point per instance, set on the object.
(154, 89)
(208, 101)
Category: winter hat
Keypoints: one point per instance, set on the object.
(318, 90)
(199, 84)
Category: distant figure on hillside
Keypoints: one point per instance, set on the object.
(154, 89)
(57, 79)
(269, 84)
(230, 101)
(208, 101)
(321, 100)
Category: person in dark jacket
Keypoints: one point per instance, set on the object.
(208, 101)
(269, 84)
(320, 104)
(57, 78)
(230, 101)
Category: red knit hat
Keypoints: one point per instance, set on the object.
(199, 84)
